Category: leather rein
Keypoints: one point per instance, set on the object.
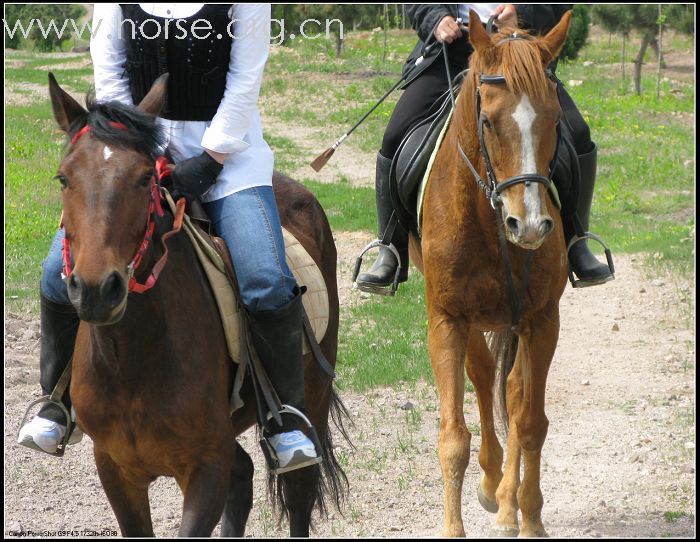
(492, 188)
(154, 209)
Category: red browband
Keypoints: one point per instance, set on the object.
(154, 207)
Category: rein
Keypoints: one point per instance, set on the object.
(154, 208)
(492, 188)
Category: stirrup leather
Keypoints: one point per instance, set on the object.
(581, 283)
(269, 450)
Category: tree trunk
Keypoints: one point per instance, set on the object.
(655, 44)
(638, 64)
(659, 57)
(338, 45)
(386, 28)
(403, 16)
(624, 42)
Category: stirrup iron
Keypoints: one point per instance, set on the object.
(61, 448)
(269, 450)
(381, 290)
(580, 283)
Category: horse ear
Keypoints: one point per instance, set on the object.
(65, 109)
(553, 42)
(154, 101)
(478, 36)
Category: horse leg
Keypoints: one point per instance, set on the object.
(239, 500)
(481, 368)
(447, 341)
(129, 498)
(205, 490)
(531, 422)
(506, 494)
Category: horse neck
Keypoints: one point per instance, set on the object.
(143, 327)
(468, 197)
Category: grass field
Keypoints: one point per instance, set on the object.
(644, 199)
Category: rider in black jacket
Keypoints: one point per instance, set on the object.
(427, 81)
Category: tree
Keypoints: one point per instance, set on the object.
(645, 19)
(578, 32)
(13, 13)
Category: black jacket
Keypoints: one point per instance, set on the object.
(424, 18)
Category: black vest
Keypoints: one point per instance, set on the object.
(197, 67)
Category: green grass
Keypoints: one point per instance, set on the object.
(384, 342)
(346, 206)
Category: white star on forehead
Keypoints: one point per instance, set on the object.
(107, 152)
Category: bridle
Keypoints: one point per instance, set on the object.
(154, 209)
(492, 188)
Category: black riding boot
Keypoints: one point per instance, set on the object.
(46, 431)
(277, 338)
(59, 327)
(586, 266)
(381, 274)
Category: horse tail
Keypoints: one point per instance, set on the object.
(503, 346)
(332, 487)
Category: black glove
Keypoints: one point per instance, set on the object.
(193, 177)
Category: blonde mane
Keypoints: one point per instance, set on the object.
(519, 60)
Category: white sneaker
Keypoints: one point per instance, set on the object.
(294, 450)
(45, 435)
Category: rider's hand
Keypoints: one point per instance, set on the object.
(448, 30)
(507, 16)
(193, 177)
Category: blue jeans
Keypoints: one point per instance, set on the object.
(52, 285)
(249, 223)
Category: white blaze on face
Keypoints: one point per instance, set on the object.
(524, 117)
(107, 152)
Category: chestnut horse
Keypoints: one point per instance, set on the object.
(151, 373)
(504, 129)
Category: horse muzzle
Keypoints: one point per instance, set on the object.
(100, 304)
(528, 234)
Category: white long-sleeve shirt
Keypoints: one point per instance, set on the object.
(236, 128)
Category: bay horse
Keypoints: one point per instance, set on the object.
(504, 129)
(151, 372)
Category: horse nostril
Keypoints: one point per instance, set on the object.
(113, 289)
(547, 226)
(513, 224)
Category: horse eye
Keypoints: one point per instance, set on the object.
(146, 179)
(486, 122)
(61, 179)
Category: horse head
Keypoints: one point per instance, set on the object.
(106, 183)
(517, 112)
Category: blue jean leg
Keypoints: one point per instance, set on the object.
(249, 223)
(52, 285)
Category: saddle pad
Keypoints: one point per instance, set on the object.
(305, 270)
(426, 176)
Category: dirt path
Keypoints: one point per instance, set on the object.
(618, 461)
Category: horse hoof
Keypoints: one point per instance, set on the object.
(505, 531)
(537, 533)
(485, 502)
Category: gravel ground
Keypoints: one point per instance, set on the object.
(619, 460)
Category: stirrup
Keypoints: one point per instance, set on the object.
(269, 450)
(381, 290)
(61, 448)
(581, 283)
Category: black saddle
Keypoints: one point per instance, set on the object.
(412, 157)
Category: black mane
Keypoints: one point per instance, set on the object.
(142, 132)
